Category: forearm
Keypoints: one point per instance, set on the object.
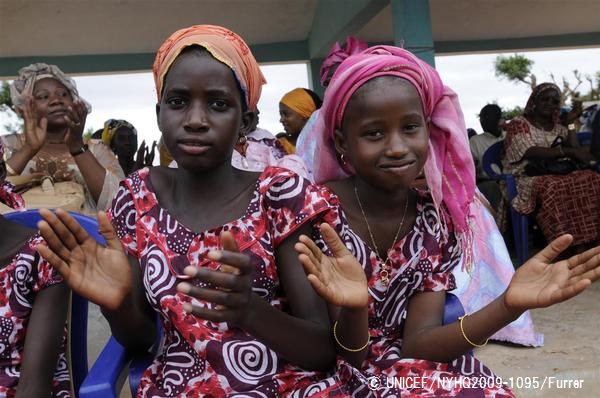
(538, 152)
(92, 171)
(446, 343)
(133, 324)
(20, 158)
(352, 335)
(305, 343)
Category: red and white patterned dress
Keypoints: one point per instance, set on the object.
(203, 358)
(20, 282)
(563, 204)
(421, 261)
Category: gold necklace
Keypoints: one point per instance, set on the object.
(384, 274)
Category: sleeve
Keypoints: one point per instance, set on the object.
(441, 277)
(290, 201)
(123, 215)
(114, 174)
(518, 140)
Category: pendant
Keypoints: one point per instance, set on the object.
(245, 162)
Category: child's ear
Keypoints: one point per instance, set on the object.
(248, 125)
(339, 142)
(158, 117)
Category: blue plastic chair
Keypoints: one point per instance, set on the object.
(106, 376)
(492, 165)
(79, 305)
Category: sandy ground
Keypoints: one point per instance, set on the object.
(571, 350)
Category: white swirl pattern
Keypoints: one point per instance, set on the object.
(249, 361)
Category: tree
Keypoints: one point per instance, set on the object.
(6, 106)
(516, 68)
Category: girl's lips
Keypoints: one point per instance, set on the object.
(193, 148)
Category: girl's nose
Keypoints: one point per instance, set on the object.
(196, 118)
(396, 146)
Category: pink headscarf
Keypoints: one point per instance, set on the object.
(449, 168)
(7, 196)
(337, 54)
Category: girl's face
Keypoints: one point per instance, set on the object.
(547, 103)
(200, 113)
(384, 133)
(291, 120)
(52, 100)
(125, 142)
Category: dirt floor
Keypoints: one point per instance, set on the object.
(571, 352)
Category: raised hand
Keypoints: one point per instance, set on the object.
(140, 155)
(339, 279)
(75, 117)
(149, 158)
(232, 285)
(101, 274)
(541, 283)
(35, 131)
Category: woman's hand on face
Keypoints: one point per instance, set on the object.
(101, 274)
(339, 279)
(75, 118)
(231, 286)
(35, 130)
(541, 283)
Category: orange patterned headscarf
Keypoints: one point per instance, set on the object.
(221, 43)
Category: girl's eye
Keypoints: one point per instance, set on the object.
(411, 128)
(41, 97)
(219, 104)
(175, 101)
(373, 134)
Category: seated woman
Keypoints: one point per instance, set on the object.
(52, 142)
(562, 203)
(295, 109)
(33, 309)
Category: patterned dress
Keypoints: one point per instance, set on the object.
(562, 203)
(20, 281)
(203, 358)
(421, 261)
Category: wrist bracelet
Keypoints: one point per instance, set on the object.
(81, 150)
(343, 346)
(465, 336)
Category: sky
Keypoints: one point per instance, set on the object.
(132, 96)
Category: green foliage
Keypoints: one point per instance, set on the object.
(509, 113)
(516, 68)
(5, 101)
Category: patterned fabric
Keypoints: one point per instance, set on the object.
(221, 43)
(337, 54)
(421, 261)
(64, 168)
(563, 203)
(202, 357)
(26, 275)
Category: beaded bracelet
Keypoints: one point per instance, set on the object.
(462, 330)
(346, 348)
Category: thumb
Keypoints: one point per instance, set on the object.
(333, 240)
(109, 233)
(553, 250)
(44, 124)
(228, 242)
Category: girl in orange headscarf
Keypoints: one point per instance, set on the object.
(295, 109)
(205, 240)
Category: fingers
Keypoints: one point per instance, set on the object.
(73, 226)
(228, 242)
(557, 246)
(312, 247)
(219, 279)
(319, 286)
(570, 291)
(107, 230)
(218, 297)
(56, 234)
(586, 265)
(333, 240)
(310, 267)
(55, 261)
(230, 257)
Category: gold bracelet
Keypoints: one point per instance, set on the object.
(10, 170)
(346, 348)
(465, 336)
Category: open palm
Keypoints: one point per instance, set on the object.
(541, 283)
(101, 274)
(339, 279)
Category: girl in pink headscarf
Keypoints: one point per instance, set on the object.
(33, 310)
(392, 249)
